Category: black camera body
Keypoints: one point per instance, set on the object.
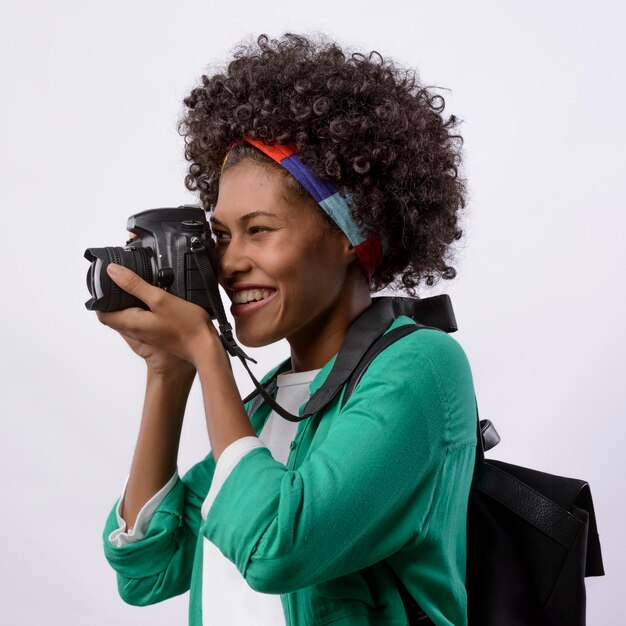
(160, 253)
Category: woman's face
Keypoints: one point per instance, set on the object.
(280, 263)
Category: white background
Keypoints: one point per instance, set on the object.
(91, 92)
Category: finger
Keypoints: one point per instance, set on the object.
(123, 321)
(134, 284)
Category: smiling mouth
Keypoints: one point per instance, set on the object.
(243, 308)
(246, 296)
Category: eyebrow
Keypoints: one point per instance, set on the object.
(244, 218)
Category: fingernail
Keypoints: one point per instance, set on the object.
(113, 269)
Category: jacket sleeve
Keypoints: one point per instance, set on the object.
(361, 494)
(123, 535)
(159, 565)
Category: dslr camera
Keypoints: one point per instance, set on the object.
(163, 253)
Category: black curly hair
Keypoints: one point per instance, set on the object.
(358, 120)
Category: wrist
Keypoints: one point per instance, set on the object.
(179, 375)
(207, 348)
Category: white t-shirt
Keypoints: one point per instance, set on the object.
(226, 597)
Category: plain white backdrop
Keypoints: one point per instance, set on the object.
(91, 93)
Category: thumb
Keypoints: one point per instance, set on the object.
(131, 283)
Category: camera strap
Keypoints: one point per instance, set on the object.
(365, 330)
(209, 280)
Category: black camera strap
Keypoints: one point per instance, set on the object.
(209, 280)
(369, 326)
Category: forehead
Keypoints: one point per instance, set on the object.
(250, 188)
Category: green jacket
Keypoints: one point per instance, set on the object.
(386, 477)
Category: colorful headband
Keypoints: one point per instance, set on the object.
(367, 245)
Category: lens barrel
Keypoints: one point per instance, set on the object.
(105, 294)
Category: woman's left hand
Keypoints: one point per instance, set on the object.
(172, 324)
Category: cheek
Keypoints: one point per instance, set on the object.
(308, 267)
(324, 273)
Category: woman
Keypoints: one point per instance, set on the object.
(327, 176)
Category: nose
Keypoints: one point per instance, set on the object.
(232, 259)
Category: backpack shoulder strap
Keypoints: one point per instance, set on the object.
(364, 331)
(434, 311)
(374, 350)
(486, 435)
(369, 327)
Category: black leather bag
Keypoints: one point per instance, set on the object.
(531, 536)
(532, 539)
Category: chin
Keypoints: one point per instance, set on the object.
(247, 343)
(251, 340)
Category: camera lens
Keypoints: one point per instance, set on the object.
(105, 294)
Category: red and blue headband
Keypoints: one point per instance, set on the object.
(367, 245)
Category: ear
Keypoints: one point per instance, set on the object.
(348, 251)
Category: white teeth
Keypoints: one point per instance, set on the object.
(250, 295)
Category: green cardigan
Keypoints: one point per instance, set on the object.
(385, 478)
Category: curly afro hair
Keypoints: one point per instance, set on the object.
(357, 120)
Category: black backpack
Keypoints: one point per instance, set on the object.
(531, 536)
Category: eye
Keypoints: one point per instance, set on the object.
(219, 235)
(258, 229)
